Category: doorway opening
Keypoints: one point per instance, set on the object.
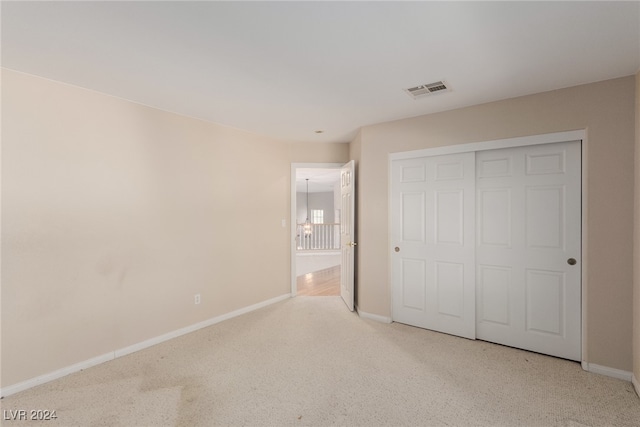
(315, 222)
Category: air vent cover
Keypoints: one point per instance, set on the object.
(427, 89)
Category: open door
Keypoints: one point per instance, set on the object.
(347, 225)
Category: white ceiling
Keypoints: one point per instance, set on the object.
(287, 69)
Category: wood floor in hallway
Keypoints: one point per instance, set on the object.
(320, 283)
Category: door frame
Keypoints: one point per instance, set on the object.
(549, 138)
(293, 214)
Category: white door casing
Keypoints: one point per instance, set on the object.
(347, 235)
(525, 217)
(433, 238)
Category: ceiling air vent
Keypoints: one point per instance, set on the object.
(427, 89)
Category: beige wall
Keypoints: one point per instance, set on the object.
(318, 153)
(636, 256)
(114, 215)
(606, 111)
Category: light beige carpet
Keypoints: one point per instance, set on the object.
(308, 361)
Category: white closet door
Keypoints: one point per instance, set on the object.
(528, 248)
(433, 238)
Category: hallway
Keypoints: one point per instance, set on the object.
(320, 283)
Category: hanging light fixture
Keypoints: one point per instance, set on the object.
(307, 223)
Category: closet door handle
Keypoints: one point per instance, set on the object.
(571, 261)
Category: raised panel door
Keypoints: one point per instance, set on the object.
(433, 239)
(528, 226)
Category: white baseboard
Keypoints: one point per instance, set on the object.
(24, 385)
(15, 388)
(376, 317)
(636, 384)
(192, 328)
(609, 372)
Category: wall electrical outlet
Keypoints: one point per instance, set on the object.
(196, 298)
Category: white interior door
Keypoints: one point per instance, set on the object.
(347, 225)
(433, 238)
(528, 248)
